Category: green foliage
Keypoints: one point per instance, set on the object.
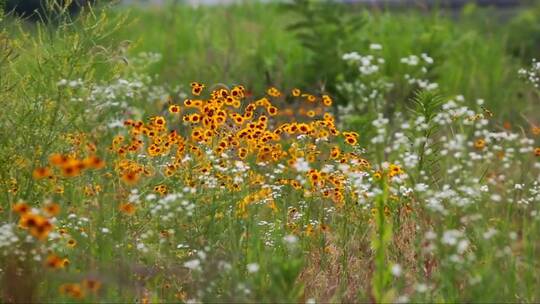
(39, 110)
(427, 105)
(525, 39)
(380, 241)
(326, 31)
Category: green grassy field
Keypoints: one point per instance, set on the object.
(270, 153)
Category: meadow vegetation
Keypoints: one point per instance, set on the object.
(307, 152)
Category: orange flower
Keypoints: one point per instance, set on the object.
(92, 285)
(93, 162)
(130, 177)
(54, 261)
(58, 159)
(324, 228)
(28, 220)
(535, 130)
(52, 209)
(73, 290)
(41, 228)
(72, 167)
(127, 208)
(43, 172)
(20, 208)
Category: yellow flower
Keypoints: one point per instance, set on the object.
(479, 144)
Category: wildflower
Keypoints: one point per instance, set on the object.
(537, 151)
(92, 285)
(351, 138)
(479, 144)
(335, 152)
(127, 208)
(174, 109)
(324, 228)
(375, 47)
(20, 208)
(58, 159)
(535, 130)
(130, 177)
(39, 226)
(272, 111)
(194, 264)
(72, 167)
(310, 98)
(43, 172)
(315, 178)
(273, 92)
(253, 267)
(161, 189)
(242, 153)
(290, 239)
(301, 165)
(394, 170)
(309, 230)
(93, 162)
(196, 88)
(421, 287)
(296, 185)
(396, 270)
(158, 121)
(327, 100)
(52, 209)
(54, 261)
(73, 290)
(72, 243)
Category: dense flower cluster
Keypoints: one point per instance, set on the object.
(532, 74)
(228, 140)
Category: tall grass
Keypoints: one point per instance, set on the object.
(250, 43)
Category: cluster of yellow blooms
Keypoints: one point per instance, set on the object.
(232, 126)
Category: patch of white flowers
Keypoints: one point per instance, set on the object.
(532, 73)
